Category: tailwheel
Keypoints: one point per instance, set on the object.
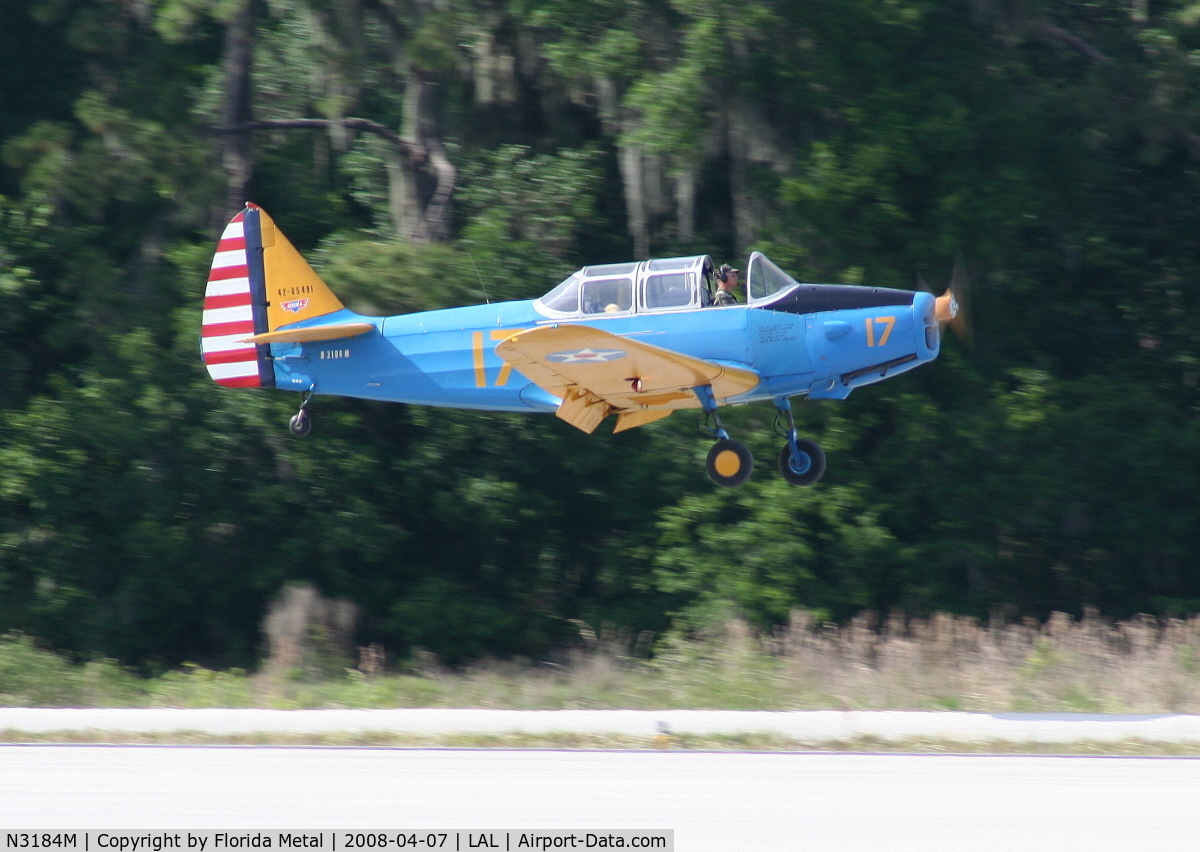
(300, 423)
(803, 467)
(729, 462)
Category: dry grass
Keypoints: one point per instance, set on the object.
(941, 663)
(946, 662)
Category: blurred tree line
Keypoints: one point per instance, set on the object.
(430, 153)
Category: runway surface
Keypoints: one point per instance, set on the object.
(714, 801)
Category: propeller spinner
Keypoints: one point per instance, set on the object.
(952, 308)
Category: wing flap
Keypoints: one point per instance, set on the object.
(594, 371)
(583, 409)
(630, 419)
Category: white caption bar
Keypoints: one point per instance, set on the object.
(341, 840)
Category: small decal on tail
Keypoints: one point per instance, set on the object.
(294, 306)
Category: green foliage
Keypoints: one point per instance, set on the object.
(524, 206)
(757, 550)
(32, 677)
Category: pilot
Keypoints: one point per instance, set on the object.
(727, 279)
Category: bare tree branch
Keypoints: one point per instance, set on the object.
(1075, 41)
(413, 152)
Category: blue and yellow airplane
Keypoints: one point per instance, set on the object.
(638, 340)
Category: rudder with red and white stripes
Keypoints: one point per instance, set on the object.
(235, 308)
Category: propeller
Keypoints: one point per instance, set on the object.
(953, 308)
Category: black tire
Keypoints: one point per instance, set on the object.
(729, 463)
(300, 424)
(804, 474)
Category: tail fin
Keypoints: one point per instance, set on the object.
(258, 283)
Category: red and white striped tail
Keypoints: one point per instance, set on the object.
(229, 316)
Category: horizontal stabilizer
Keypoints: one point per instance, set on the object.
(312, 333)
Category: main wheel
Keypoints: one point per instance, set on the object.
(729, 463)
(808, 469)
(300, 424)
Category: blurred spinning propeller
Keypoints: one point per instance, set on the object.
(953, 308)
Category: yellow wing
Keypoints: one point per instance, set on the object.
(596, 373)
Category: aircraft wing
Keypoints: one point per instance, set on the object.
(596, 373)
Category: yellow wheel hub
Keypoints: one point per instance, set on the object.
(727, 463)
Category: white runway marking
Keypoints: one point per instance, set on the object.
(715, 801)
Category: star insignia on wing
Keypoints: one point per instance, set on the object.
(586, 356)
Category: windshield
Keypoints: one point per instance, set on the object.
(765, 278)
(564, 297)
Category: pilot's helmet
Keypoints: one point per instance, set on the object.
(723, 272)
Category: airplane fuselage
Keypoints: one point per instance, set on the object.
(447, 357)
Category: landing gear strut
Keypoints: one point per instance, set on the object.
(300, 423)
(801, 462)
(729, 462)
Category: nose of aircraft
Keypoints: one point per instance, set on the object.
(925, 325)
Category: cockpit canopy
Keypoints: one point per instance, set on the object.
(653, 286)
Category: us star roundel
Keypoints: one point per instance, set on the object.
(586, 356)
